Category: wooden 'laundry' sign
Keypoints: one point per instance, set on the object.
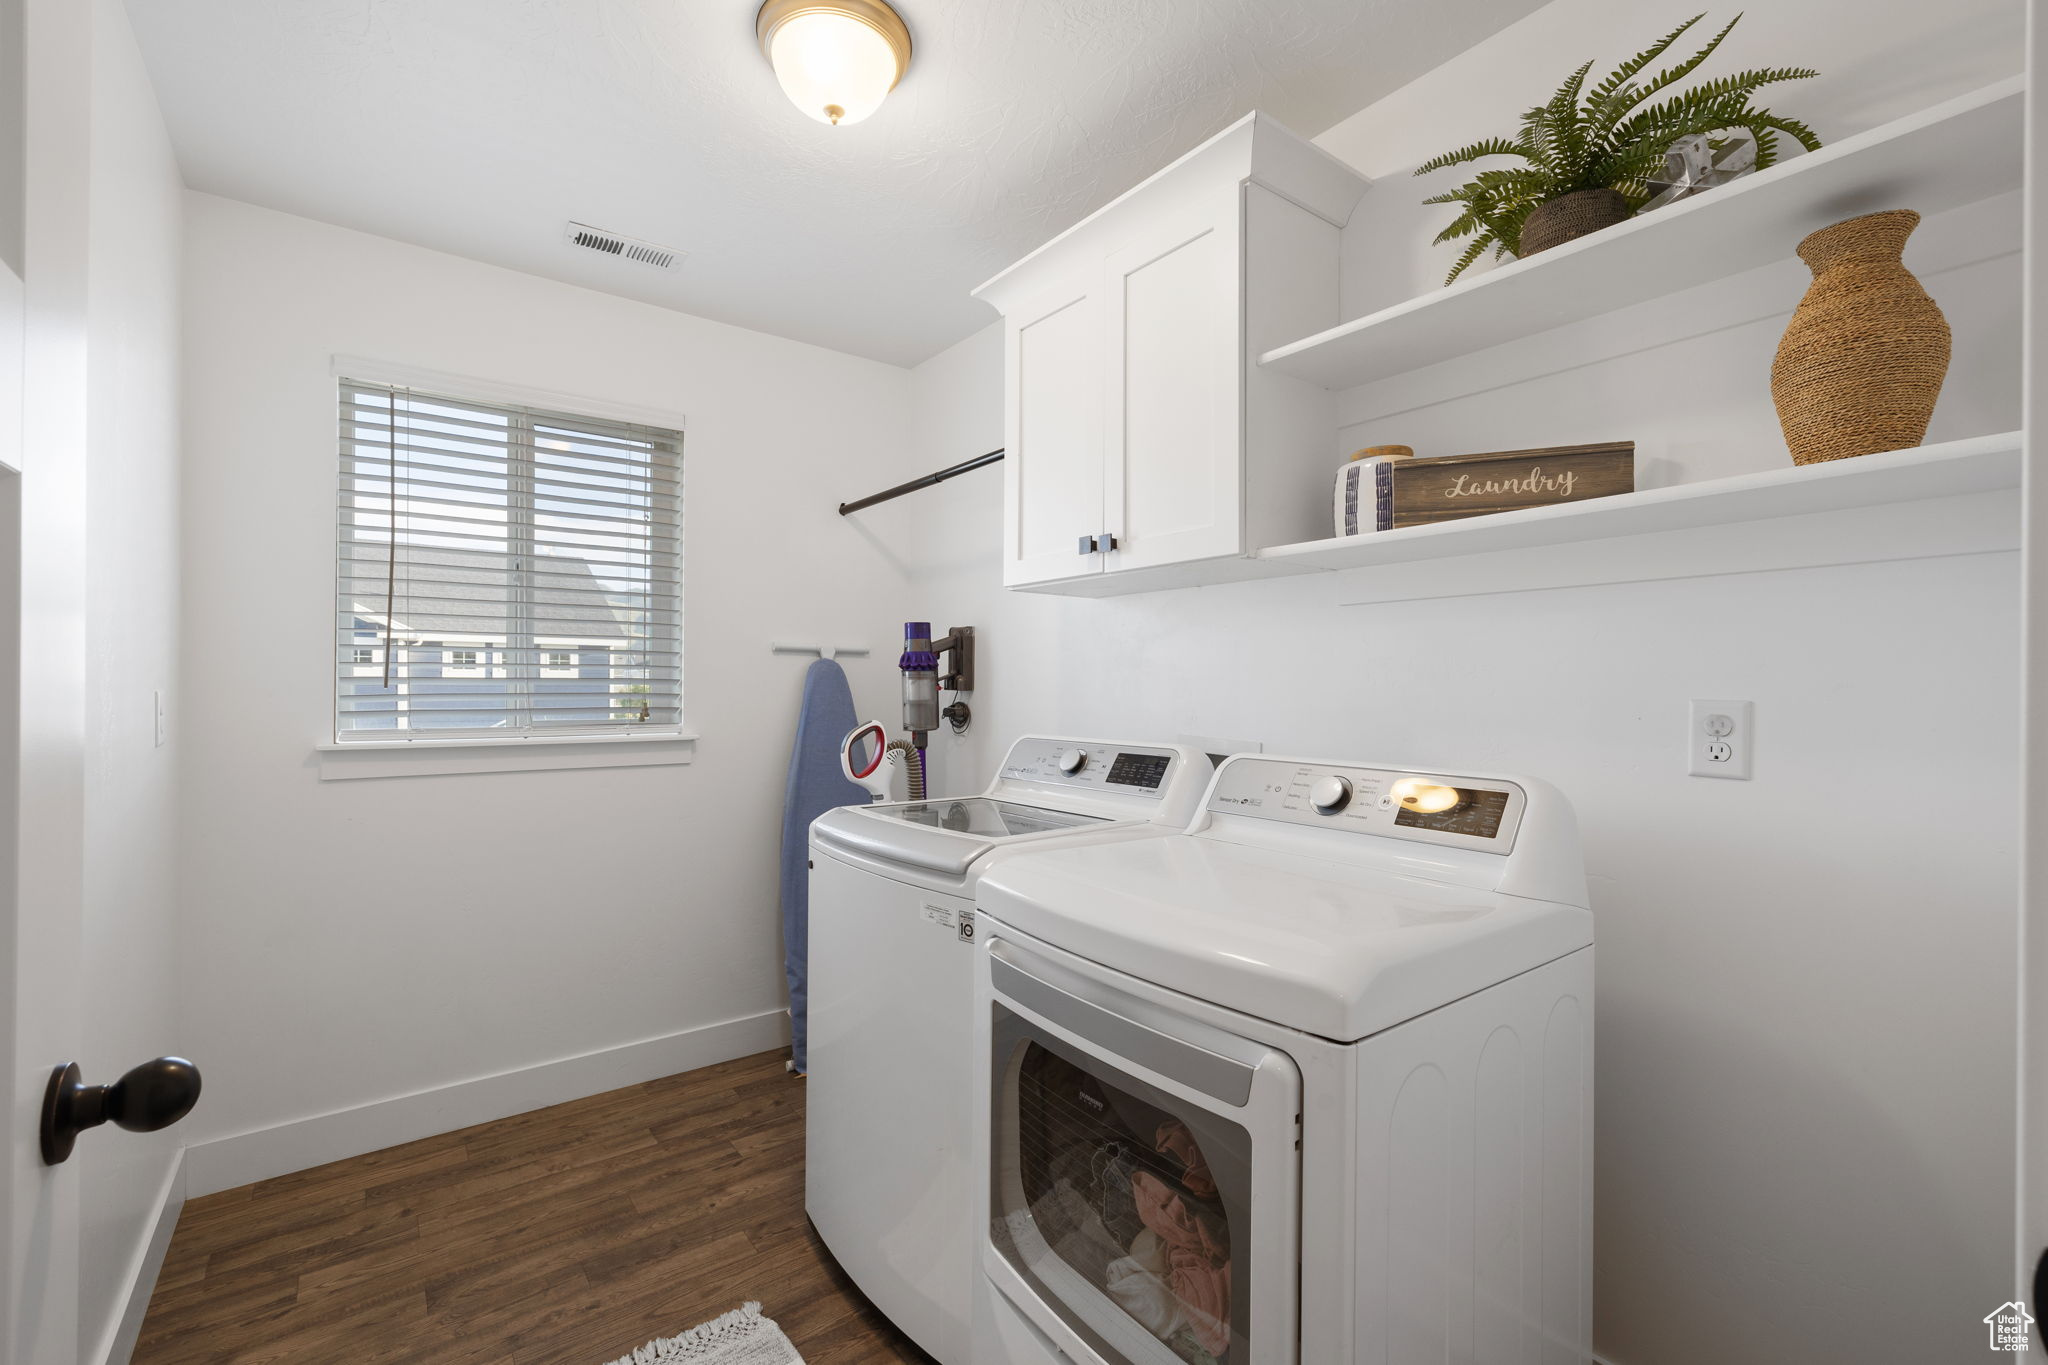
(1447, 487)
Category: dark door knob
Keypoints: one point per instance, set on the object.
(151, 1096)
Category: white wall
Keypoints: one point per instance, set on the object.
(1806, 1042)
(132, 636)
(349, 943)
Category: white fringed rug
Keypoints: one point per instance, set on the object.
(741, 1337)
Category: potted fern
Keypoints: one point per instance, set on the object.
(1590, 156)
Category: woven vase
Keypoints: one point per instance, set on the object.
(1573, 215)
(1862, 363)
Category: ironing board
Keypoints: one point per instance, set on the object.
(816, 785)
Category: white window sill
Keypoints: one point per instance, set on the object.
(436, 757)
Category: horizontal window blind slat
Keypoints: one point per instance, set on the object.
(425, 406)
(463, 562)
(657, 718)
(589, 708)
(421, 518)
(425, 399)
(494, 461)
(617, 632)
(473, 541)
(599, 626)
(367, 705)
(478, 426)
(360, 576)
(361, 702)
(658, 669)
(499, 677)
(372, 506)
(655, 655)
(599, 633)
(592, 604)
(369, 695)
(552, 692)
(656, 673)
(364, 703)
(651, 668)
(482, 458)
(365, 477)
(655, 668)
(390, 735)
(519, 534)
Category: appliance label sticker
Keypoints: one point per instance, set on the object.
(942, 915)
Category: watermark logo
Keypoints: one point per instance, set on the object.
(2007, 1326)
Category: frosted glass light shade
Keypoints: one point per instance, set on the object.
(835, 59)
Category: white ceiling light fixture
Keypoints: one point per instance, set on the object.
(837, 60)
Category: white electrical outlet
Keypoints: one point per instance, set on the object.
(1717, 740)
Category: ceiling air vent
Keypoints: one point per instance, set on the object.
(624, 247)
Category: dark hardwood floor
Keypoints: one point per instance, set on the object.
(567, 1236)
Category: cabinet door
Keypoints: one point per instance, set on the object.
(1052, 469)
(1172, 430)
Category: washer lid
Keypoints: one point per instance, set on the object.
(1330, 948)
(944, 836)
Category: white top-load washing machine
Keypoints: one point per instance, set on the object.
(888, 1178)
(1310, 1083)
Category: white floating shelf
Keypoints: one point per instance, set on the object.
(1953, 154)
(1978, 465)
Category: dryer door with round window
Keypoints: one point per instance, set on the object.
(1144, 1172)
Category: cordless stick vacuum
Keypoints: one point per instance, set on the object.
(884, 766)
(920, 665)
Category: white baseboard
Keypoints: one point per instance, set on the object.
(243, 1158)
(126, 1330)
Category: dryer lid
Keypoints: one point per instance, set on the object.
(944, 836)
(1332, 948)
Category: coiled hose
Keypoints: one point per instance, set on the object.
(913, 766)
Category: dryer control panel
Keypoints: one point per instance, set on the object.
(1122, 769)
(1430, 808)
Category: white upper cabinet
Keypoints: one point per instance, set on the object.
(1145, 448)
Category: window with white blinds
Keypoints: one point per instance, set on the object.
(504, 572)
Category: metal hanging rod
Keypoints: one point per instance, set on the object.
(926, 482)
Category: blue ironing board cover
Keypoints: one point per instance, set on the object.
(816, 785)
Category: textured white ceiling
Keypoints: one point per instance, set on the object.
(480, 127)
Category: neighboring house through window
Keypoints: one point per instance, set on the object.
(506, 572)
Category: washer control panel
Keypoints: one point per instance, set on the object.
(1430, 808)
(1125, 769)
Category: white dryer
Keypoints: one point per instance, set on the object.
(1308, 1084)
(888, 1160)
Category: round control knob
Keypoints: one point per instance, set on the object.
(1073, 760)
(1330, 795)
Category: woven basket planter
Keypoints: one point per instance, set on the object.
(1569, 217)
(1862, 363)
